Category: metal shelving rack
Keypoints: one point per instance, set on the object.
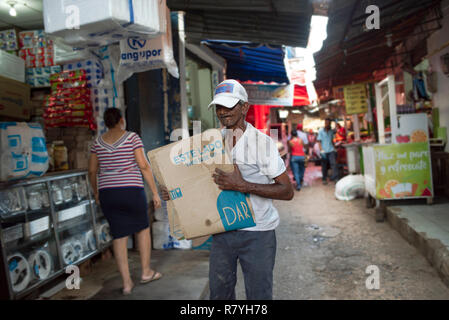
(53, 237)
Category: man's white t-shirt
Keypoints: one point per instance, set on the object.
(258, 159)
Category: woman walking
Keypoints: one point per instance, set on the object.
(118, 158)
(298, 158)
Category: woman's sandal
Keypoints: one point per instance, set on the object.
(156, 276)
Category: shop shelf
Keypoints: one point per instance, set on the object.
(38, 284)
(76, 223)
(33, 241)
(24, 216)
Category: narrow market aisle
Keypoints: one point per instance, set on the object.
(325, 246)
(185, 277)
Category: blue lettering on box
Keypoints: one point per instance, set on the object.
(176, 194)
(234, 211)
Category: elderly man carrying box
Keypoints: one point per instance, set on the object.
(261, 173)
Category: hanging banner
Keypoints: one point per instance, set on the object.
(403, 171)
(355, 99)
(270, 95)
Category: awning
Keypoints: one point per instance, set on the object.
(248, 61)
(351, 53)
(281, 22)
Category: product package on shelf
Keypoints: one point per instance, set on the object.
(94, 70)
(36, 49)
(23, 151)
(40, 77)
(38, 57)
(139, 54)
(102, 22)
(69, 104)
(8, 40)
(34, 39)
(11, 66)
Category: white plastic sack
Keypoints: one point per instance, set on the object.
(350, 188)
(139, 54)
(23, 150)
(65, 54)
(161, 235)
(161, 213)
(162, 240)
(95, 23)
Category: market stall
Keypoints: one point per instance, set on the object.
(55, 84)
(399, 166)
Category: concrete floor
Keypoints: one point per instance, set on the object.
(326, 245)
(427, 228)
(324, 248)
(185, 276)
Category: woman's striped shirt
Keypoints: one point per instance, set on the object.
(117, 164)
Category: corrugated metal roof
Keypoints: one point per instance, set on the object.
(351, 53)
(251, 62)
(281, 22)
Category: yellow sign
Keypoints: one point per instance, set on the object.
(356, 99)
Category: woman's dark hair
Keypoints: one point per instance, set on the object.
(294, 133)
(112, 117)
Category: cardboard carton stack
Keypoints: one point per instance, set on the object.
(36, 49)
(14, 99)
(9, 41)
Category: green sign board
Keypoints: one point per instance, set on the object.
(403, 171)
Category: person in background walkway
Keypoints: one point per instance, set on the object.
(297, 159)
(328, 152)
(303, 136)
(118, 158)
(340, 135)
(311, 137)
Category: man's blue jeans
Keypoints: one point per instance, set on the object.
(326, 160)
(298, 167)
(256, 251)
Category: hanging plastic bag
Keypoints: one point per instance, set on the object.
(138, 54)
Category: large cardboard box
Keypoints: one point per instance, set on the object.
(198, 207)
(14, 99)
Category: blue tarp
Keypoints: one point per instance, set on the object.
(248, 61)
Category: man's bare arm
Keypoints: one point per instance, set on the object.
(281, 189)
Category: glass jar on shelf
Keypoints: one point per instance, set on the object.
(57, 194)
(35, 200)
(67, 193)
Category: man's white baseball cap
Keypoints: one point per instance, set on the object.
(229, 93)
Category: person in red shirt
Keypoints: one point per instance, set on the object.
(297, 159)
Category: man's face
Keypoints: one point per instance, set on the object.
(230, 117)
